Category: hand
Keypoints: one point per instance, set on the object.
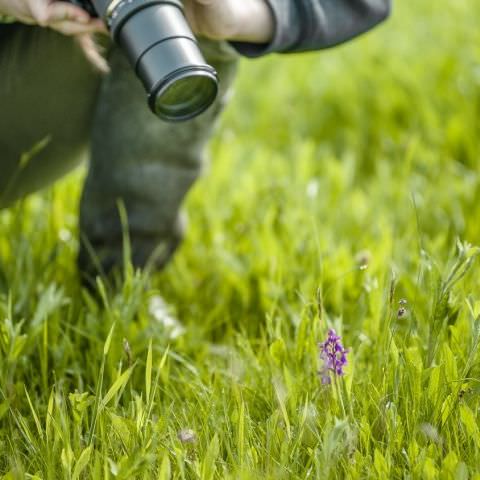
(238, 20)
(63, 17)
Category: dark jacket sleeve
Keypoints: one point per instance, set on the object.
(302, 25)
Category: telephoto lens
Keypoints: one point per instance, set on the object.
(164, 53)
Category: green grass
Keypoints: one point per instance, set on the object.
(364, 155)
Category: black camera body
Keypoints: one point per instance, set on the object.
(163, 51)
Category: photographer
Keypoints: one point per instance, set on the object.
(51, 97)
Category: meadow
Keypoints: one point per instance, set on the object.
(343, 192)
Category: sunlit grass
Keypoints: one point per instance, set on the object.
(344, 192)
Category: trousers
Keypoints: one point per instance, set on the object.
(56, 111)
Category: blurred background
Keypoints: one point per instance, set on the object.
(372, 147)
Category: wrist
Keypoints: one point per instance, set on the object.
(255, 22)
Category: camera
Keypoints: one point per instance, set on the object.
(160, 46)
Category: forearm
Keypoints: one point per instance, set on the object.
(300, 25)
(61, 16)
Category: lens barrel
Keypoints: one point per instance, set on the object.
(162, 49)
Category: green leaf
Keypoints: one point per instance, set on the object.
(122, 428)
(148, 372)
(82, 462)
(430, 471)
(17, 348)
(35, 416)
(50, 301)
(208, 465)
(108, 341)
(381, 465)
(34, 151)
(66, 458)
(278, 351)
(118, 384)
(4, 407)
(165, 469)
(434, 384)
(450, 364)
(48, 421)
(468, 419)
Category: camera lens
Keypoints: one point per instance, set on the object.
(160, 46)
(185, 97)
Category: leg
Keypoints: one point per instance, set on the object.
(147, 164)
(47, 94)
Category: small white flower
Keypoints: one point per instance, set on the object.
(161, 312)
(187, 436)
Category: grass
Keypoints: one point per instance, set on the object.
(342, 183)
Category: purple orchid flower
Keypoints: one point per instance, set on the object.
(334, 357)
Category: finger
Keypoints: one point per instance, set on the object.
(99, 26)
(62, 12)
(190, 10)
(73, 29)
(38, 11)
(68, 27)
(93, 53)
